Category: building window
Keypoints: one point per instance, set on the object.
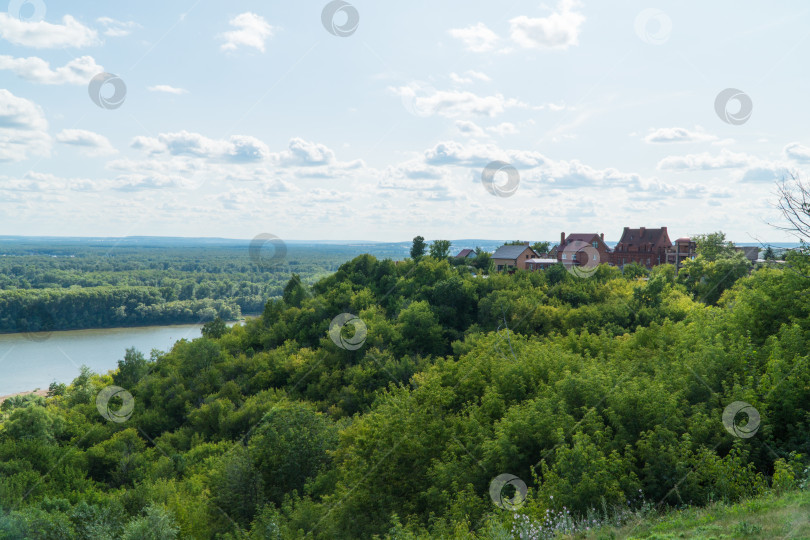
(648, 261)
(595, 245)
(595, 256)
(563, 258)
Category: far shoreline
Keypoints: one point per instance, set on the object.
(244, 318)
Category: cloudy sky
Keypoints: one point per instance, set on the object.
(376, 120)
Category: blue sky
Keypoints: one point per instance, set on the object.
(249, 117)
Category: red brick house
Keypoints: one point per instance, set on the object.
(513, 256)
(577, 249)
(647, 247)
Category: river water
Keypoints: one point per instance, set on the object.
(36, 360)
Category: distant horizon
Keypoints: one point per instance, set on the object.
(455, 241)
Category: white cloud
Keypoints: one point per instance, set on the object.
(678, 135)
(765, 173)
(304, 153)
(470, 129)
(559, 30)
(726, 159)
(469, 77)
(142, 182)
(237, 149)
(78, 71)
(798, 152)
(43, 35)
(453, 103)
(23, 128)
(90, 143)
(503, 129)
(113, 28)
(167, 89)
(251, 31)
(45, 182)
(478, 38)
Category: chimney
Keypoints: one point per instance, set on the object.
(642, 231)
(602, 236)
(527, 243)
(562, 239)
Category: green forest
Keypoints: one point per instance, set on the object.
(64, 285)
(415, 399)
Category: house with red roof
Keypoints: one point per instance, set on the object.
(581, 248)
(647, 247)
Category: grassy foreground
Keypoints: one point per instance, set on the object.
(770, 516)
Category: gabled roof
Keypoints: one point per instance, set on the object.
(511, 252)
(637, 237)
(464, 253)
(585, 238)
(582, 237)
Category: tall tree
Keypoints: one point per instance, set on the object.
(713, 246)
(541, 247)
(418, 247)
(440, 249)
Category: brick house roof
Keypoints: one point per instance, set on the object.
(511, 252)
(652, 238)
(464, 253)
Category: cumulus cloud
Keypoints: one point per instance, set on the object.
(798, 152)
(165, 88)
(44, 35)
(142, 182)
(470, 129)
(113, 28)
(23, 128)
(766, 173)
(469, 77)
(503, 129)
(251, 31)
(90, 143)
(476, 38)
(705, 161)
(678, 135)
(453, 103)
(559, 30)
(238, 148)
(78, 71)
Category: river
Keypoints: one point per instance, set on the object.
(36, 360)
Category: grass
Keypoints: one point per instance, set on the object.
(770, 516)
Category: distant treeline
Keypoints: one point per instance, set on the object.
(104, 307)
(46, 287)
